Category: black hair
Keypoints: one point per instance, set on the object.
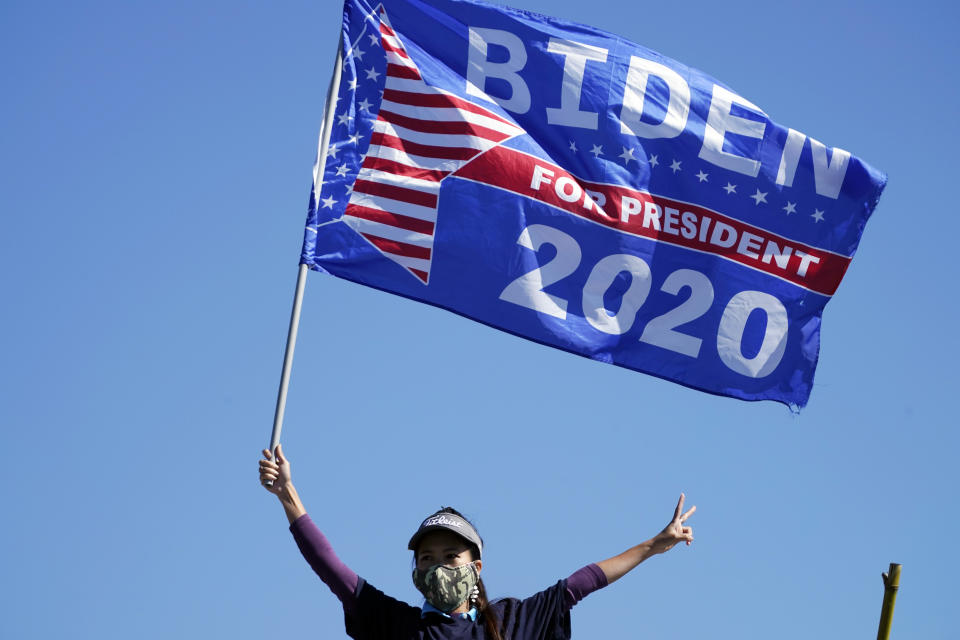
(485, 613)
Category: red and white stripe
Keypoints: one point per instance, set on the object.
(422, 134)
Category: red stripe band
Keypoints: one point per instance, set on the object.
(398, 248)
(661, 219)
(392, 219)
(442, 126)
(400, 169)
(396, 193)
(397, 71)
(425, 150)
(397, 50)
(438, 100)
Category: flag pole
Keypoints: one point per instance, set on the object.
(891, 583)
(318, 168)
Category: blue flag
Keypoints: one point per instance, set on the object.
(573, 188)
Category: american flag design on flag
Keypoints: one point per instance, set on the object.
(421, 134)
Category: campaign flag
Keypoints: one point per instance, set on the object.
(571, 187)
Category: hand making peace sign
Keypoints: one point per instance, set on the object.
(675, 531)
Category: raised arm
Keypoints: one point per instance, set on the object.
(616, 567)
(313, 544)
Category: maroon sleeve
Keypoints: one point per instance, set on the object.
(583, 582)
(319, 554)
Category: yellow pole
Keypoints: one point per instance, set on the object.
(891, 582)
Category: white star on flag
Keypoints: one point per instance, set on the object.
(358, 53)
(653, 161)
(573, 146)
(344, 118)
(627, 155)
(759, 197)
(817, 215)
(364, 105)
(597, 151)
(328, 202)
(730, 188)
(342, 169)
(353, 84)
(372, 74)
(790, 208)
(675, 166)
(702, 177)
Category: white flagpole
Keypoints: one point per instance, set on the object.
(302, 272)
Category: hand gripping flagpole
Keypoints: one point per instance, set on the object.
(302, 272)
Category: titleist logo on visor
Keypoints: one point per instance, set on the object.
(441, 520)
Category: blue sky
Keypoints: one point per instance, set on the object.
(154, 174)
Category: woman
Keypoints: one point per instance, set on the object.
(448, 553)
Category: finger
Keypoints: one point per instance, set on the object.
(268, 476)
(280, 457)
(266, 454)
(689, 513)
(679, 509)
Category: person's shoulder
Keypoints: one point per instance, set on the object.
(368, 592)
(376, 613)
(545, 598)
(506, 601)
(501, 603)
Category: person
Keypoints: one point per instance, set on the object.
(448, 560)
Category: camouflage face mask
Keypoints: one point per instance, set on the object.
(445, 587)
